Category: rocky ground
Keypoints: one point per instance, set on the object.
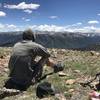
(79, 66)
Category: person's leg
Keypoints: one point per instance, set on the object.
(10, 84)
(38, 68)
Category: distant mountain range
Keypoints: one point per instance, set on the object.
(66, 40)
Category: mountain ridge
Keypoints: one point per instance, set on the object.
(66, 40)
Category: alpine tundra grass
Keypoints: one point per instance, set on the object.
(78, 66)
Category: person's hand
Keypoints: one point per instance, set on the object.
(50, 62)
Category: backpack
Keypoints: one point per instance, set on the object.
(45, 89)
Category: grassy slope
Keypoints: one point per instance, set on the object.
(79, 65)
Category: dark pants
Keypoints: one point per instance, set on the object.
(10, 84)
(38, 69)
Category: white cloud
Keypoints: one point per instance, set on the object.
(1, 26)
(93, 22)
(56, 28)
(45, 27)
(23, 18)
(11, 26)
(53, 17)
(8, 27)
(98, 14)
(23, 6)
(86, 29)
(89, 27)
(2, 14)
(28, 11)
(26, 19)
(49, 28)
(77, 24)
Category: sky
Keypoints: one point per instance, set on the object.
(50, 15)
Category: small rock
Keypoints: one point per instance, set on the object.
(60, 97)
(45, 98)
(70, 81)
(94, 53)
(1, 57)
(6, 65)
(77, 71)
(6, 70)
(97, 53)
(9, 90)
(63, 50)
(71, 90)
(62, 74)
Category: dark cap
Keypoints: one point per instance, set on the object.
(28, 35)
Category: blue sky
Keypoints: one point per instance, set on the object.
(50, 15)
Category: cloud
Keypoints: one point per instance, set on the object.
(11, 26)
(93, 22)
(26, 19)
(8, 27)
(23, 6)
(28, 11)
(1, 26)
(23, 18)
(55, 28)
(98, 14)
(45, 27)
(89, 27)
(48, 28)
(53, 17)
(77, 24)
(2, 14)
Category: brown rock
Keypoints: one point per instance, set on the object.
(1, 57)
(62, 74)
(70, 81)
(60, 97)
(71, 90)
(77, 71)
(94, 53)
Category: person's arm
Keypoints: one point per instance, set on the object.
(43, 52)
(46, 60)
(45, 57)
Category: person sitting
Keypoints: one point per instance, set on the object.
(24, 69)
